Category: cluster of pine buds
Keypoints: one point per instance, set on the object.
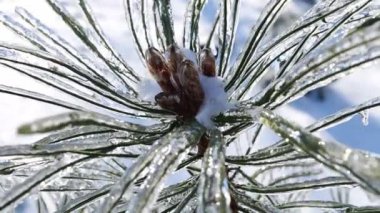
(178, 78)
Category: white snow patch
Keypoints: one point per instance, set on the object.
(190, 55)
(148, 89)
(215, 102)
(187, 53)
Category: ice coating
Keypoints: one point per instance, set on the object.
(213, 188)
(358, 166)
(101, 142)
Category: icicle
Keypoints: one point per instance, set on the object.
(177, 142)
(365, 116)
(95, 40)
(137, 25)
(163, 164)
(226, 36)
(213, 185)
(38, 97)
(163, 13)
(357, 165)
(21, 190)
(190, 38)
(304, 185)
(177, 188)
(262, 154)
(90, 143)
(81, 118)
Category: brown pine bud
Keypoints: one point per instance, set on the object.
(207, 62)
(203, 144)
(192, 92)
(159, 69)
(168, 101)
(234, 205)
(175, 58)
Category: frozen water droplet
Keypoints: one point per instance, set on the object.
(365, 116)
(295, 135)
(347, 154)
(255, 112)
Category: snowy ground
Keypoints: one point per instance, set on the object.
(350, 91)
